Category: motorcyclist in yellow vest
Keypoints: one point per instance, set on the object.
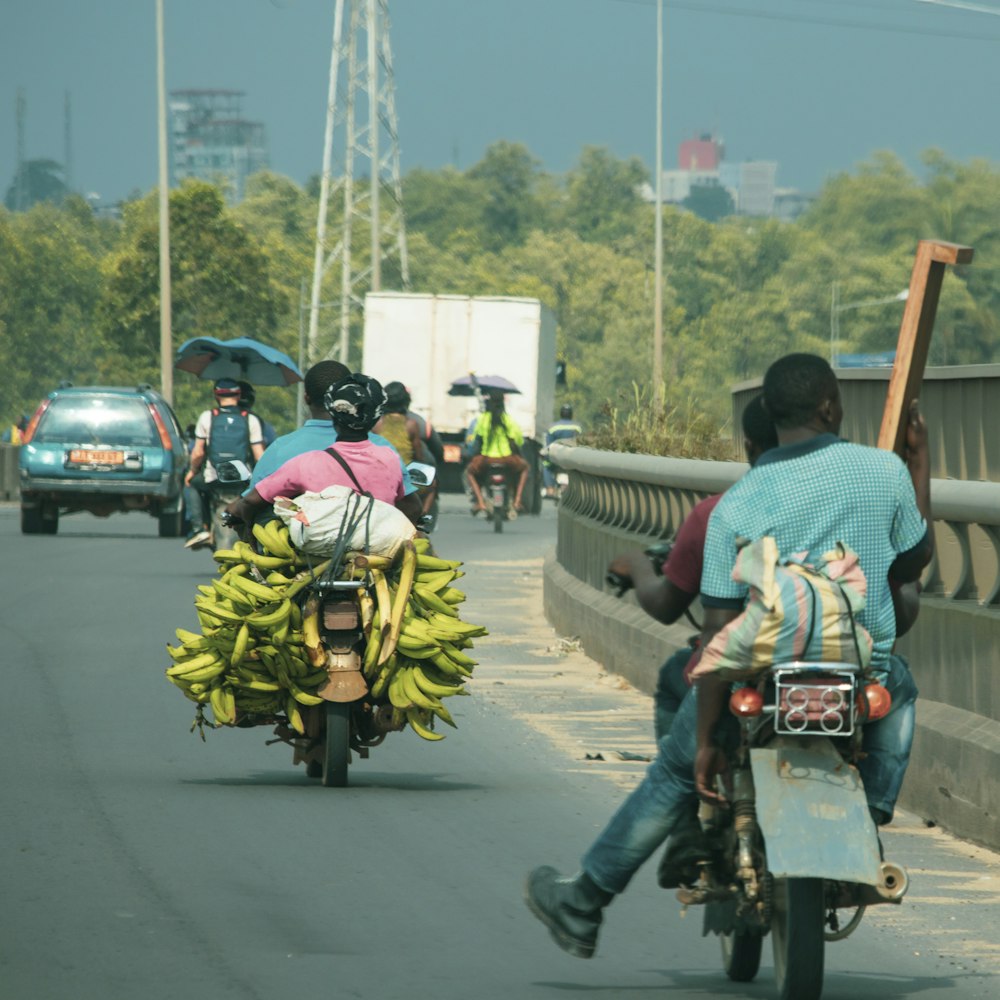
(496, 440)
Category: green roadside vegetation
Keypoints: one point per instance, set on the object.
(79, 294)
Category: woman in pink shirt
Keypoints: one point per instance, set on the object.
(354, 404)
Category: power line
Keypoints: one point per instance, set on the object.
(820, 21)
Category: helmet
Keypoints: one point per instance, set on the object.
(565, 412)
(248, 394)
(226, 388)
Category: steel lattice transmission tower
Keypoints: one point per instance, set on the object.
(360, 121)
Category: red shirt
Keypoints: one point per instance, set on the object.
(683, 566)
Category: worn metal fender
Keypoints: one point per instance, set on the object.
(813, 814)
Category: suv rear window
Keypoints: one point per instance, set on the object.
(97, 420)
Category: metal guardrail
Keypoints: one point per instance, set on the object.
(636, 498)
(618, 502)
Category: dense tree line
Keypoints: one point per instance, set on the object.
(79, 295)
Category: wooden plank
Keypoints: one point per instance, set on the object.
(915, 330)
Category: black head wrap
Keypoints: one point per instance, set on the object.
(355, 402)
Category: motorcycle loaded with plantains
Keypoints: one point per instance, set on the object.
(331, 643)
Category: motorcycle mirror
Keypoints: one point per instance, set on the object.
(421, 474)
(233, 472)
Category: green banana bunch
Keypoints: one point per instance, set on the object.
(260, 652)
(419, 662)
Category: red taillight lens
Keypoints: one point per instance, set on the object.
(161, 428)
(29, 431)
(746, 702)
(879, 701)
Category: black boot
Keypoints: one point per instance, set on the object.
(687, 847)
(569, 907)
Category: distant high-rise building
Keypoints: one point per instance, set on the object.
(701, 154)
(210, 140)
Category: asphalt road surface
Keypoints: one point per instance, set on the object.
(141, 862)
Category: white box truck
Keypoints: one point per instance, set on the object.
(429, 341)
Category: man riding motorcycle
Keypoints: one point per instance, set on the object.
(222, 434)
(812, 492)
(497, 440)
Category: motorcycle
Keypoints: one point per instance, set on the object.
(233, 479)
(496, 493)
(350, 717)
(797, 847)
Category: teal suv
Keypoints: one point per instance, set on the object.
(102, 449)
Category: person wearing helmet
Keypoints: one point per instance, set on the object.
(225, 432)
(248, 396)
(565, 429)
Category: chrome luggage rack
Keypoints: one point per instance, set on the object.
(815, 698)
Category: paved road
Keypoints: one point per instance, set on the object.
(139, 862)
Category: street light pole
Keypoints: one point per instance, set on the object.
(166, 335)
(658, 234)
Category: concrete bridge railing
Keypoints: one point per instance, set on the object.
(617, 502)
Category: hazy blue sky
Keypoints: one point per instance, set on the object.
(817, 85)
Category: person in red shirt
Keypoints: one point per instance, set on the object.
(666, 592)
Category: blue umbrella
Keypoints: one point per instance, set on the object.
(240, 358)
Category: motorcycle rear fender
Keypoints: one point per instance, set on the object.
(812, 811)
(345, 682)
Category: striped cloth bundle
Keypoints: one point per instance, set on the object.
(795, 611)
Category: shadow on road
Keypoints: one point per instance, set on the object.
(412, 782)
(836, 986)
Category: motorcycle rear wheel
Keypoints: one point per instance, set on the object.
(336, 744)
(797, 926)
(498, 519)
(741, 955)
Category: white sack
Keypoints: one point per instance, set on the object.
(315, 522)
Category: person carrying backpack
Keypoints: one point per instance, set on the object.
(226, 433)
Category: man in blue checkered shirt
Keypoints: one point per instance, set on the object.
(810, 492)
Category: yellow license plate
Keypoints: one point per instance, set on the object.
(453, 453)
(85, 456)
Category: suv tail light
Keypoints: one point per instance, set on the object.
(161, 428)
(29, 431)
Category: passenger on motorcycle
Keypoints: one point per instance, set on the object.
(567, 430)
(222, 434)
(810, 493)
(319, 432)
(354, 405)
(411, 435)
(666, 592)
(497, 440)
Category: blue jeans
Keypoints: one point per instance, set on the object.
(647, 817)
(670, 691)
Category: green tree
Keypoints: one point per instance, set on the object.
(506, 175)
(603, 203)
(438, 203)
(35, 181)
(711, 202)
(50, 283)
(221, 283)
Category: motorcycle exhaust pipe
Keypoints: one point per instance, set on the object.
(894, 882)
